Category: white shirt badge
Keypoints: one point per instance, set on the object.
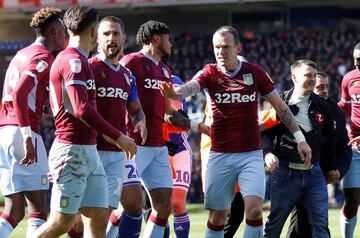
(41, 66)
(75, 65)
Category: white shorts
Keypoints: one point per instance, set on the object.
(182, 165)
(113, 162)
(223, 169)
(78, 178)
(352, 177)
(154, 167)
(15, 177)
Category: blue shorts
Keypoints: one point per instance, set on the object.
(113, 162)
(154, 167)
(223, 169)
(182, 165)
(352, 177)
(15, 177)
(78, 178)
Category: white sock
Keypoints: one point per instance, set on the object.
(153, 230)
(33, 225)
(253, 231)
(347, 226)
(213, 234)
(5, 228)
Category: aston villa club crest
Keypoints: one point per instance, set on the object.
(103, 75)
(220, 80)
(127, 78)
(166, 73)
(147, 67)
(64, 201)
(248, 79)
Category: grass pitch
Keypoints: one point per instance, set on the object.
(198, 218)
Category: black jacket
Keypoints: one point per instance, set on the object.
(343, 151)
(321, 139)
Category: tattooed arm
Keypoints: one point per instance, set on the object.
(289, 121)
(180, 91)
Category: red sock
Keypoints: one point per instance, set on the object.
(214, 227)
(11, 221)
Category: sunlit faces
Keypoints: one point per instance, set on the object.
(59, 34)
(226, 50)
(304, 79)
(356, 56)
(322, 86)
(165, 46)
(110, 38)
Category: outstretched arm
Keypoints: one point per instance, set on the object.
(180, 91)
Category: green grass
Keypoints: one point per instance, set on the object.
(198, 219)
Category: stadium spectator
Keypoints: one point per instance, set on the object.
(79, 182)
(152, 157)
(23, 155)
(299, 221)
(292, 180)
(351, 182)
(233, 88)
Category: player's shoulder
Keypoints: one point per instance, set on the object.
(353, 74)
(94, 60)
(132, 56)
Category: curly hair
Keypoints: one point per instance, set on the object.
(78, 19)
(148, 30)
(42, 18)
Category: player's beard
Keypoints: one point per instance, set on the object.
(111, 55)
(164, 54)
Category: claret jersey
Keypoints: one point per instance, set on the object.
(149, 74)
(73, 100)
(234, 104)
(115, 87)
(28, 70)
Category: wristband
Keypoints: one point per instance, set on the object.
(194, 125)
(299, 137)
(25, 132)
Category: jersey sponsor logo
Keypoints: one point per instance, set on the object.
(127, 78)
(41, 66)
(64, 201)
(166, 73)
(248, 79)
(226, 98)
(152, 83)
(75, 65)
(111, 92)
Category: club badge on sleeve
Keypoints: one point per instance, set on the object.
(75, 65)
(41, 66)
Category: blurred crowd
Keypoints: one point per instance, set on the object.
(331, 49)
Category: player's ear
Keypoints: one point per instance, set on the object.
(239, 48)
